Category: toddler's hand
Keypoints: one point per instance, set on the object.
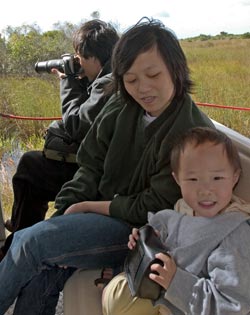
(165, 273)
(133, 238)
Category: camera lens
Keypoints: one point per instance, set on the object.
(46, 66)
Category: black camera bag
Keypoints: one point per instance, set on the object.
(139, 261)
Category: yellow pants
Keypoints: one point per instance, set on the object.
(117, 300)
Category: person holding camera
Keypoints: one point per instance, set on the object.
(41, 174)
(124, 172)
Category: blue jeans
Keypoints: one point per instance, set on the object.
(30, 270)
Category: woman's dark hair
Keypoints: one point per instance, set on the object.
(95, 38)
(139, 39)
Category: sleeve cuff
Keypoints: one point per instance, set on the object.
(180, 291)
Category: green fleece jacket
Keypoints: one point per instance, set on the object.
(128, 163)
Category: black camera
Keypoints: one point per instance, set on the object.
(69, 65)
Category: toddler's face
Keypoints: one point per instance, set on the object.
(206, 178)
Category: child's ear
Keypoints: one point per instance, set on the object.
(236, 176)
(175, 177)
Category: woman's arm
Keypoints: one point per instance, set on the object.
(101, 207)
(91, 156)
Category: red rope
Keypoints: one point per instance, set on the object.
(223, 106)
(59, 118)
(29, 118)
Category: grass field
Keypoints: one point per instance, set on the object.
(221, 73)
(219, 68)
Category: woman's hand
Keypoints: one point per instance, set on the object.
(101, 207)
(76, 208)
(165, 273)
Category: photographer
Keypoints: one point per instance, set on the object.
(40, 174)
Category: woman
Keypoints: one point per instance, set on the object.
(124, 172)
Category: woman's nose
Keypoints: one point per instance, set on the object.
(143, 86)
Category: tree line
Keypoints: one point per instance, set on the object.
(221, 35)
(21, 47)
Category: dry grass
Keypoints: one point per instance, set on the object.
(221, 73)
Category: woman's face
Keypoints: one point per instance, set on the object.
(149, 82)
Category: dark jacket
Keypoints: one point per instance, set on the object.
(127, 162)
(81, 103)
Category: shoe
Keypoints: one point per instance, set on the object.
(106, 276)
(8, 225)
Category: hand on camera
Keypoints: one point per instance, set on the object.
(133, 238)
(163, 273)
(60, 75)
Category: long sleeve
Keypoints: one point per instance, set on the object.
(160, 192)
(223, 289)
(85, 185)
(81, 105)
(152, 187)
